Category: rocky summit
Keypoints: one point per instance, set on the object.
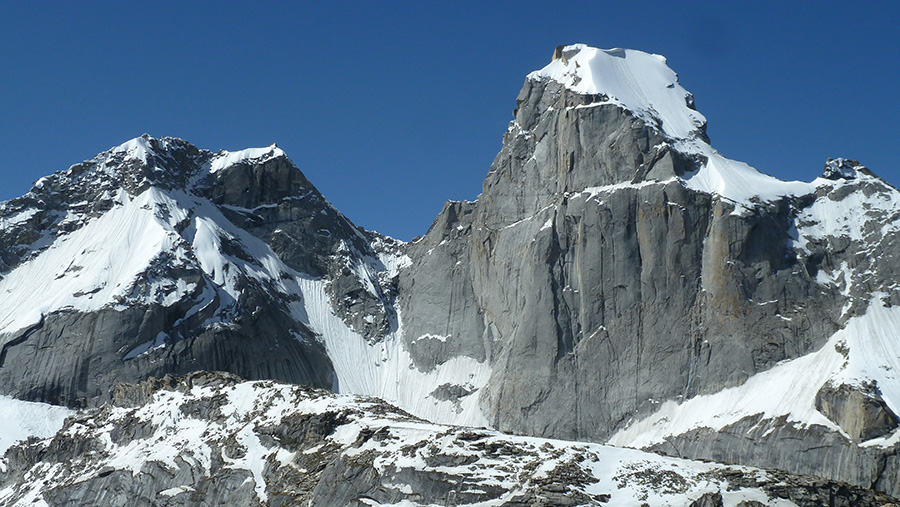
(618, 282)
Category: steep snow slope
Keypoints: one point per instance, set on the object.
(386, 370)
(22, 419)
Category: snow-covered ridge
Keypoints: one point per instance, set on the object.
(638, 81)
(145, 161)
(254, 438)
(145, 147)
(225, 159)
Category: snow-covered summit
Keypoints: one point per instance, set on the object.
(644, 84)
(146, 149)
(137, 148)
(640, 82)
(145, 161)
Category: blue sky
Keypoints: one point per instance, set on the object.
(392, 108)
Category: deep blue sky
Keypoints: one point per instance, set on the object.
(392, 108)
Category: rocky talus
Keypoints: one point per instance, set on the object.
(212, 439)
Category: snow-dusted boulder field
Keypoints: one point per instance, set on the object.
(212, 439)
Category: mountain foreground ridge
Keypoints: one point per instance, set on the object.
(617, 281)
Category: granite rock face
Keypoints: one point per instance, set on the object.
(862, 413)
(597, 285)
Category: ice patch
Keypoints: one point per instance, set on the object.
(156, 343)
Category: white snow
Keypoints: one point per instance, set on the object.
(253, 460)
(629, 476)
(175, 491)
(18, 218)
(850, 215)
(137, 148)
(155, 343)
(226, 159)
(435, 337)
(733, 180)
(874, 351)
(385, 369)
(22, 419)
(592, 192)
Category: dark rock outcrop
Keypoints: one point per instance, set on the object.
(859, 411)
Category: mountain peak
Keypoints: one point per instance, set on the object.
(144, 148)
(640, 82)
(138, 148)
(842, 168)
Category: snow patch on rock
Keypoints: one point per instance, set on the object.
(865, 350)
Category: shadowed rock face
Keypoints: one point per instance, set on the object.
(74, 358)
